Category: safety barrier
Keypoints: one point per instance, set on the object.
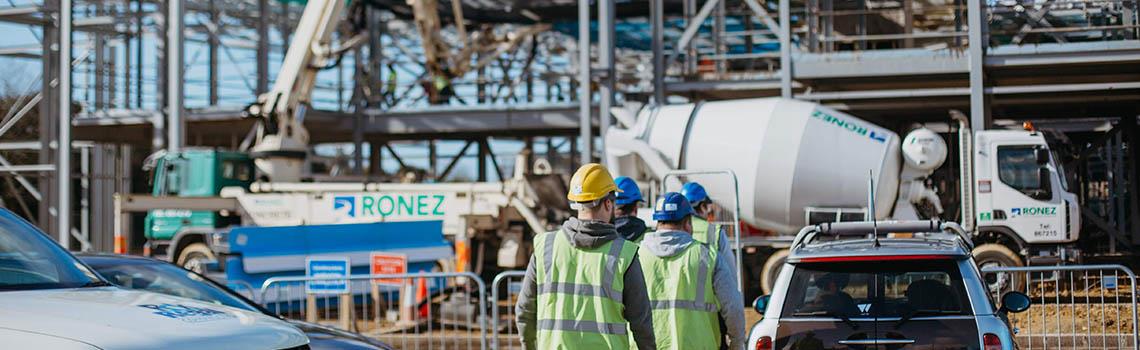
(732, 224)
(1074, 307)
(431, 310)
(504, 333)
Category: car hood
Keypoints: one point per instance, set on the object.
(114, 318)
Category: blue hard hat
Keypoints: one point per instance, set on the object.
(630, 193)
(672, 207)
(694, 192)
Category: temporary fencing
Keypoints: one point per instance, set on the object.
(1073, 307)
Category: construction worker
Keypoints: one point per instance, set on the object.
(692, 289)
(704, 231)
(707, 232)
(583, 287)
(390, 91)
(629, 226)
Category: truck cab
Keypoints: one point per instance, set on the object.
(1023, 199)
(195, 172)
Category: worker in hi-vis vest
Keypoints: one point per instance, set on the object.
(704, 231)
(583, 287)
(691, 288)
(629, 226)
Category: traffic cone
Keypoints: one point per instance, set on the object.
(421, 296)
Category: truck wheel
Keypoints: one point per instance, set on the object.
(771, 270)
(195, 256)
(997, 255)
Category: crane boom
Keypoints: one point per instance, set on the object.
(282, 140)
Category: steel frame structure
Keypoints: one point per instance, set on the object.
(136, 83)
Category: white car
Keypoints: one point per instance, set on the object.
(49, 300)
(916, 288)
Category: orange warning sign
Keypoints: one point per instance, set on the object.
(388, 264)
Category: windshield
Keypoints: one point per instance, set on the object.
(30, 260)
(165, 279)
(876, 289)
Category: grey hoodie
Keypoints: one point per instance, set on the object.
(670, 243)
(589, 234)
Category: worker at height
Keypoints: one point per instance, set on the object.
(691, 288)
(584, 288)
(629, 226)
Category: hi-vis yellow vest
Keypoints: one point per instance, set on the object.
(580, 293)
(681, 293)
(706, 232)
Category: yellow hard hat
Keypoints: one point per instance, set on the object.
(591, 182)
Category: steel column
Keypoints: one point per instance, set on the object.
(606, 60)
(657, 23)
(786, 69)
(48, 116)
(214, 43)
(262, 47)
(584, 81)
(176, 134)
(63, 144)
(979, 104)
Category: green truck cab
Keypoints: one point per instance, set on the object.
(180, 235)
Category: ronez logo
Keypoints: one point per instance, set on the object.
(345, 205)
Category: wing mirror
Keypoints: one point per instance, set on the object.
(761, 304)
(1015, 302)
(1042, 156)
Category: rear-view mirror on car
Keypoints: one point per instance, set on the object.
(1015, 302)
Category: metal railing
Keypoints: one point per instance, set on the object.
(1074, 307)
(504, 332)
(732, 226)
(431, 310)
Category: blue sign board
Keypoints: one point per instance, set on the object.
(327, 267)
(1109, 282)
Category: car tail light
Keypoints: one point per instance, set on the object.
(765, 343)
(991, 341)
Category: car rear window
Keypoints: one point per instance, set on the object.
(865, 289)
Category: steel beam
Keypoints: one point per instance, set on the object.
(695, 25)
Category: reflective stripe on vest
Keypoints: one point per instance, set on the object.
(580, 292)
(582, 326)
(680, 291)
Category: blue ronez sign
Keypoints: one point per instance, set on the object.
(327, 267)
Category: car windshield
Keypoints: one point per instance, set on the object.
(873, 289)
(166, 279)
(30, 260)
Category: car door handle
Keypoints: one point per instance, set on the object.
(877, 342)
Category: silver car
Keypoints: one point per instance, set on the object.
(913, 285)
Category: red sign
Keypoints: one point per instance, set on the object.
(388, 264)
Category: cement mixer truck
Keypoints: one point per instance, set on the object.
(801, 163)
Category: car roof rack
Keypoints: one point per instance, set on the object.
(864, 228)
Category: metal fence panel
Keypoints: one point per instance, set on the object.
(1074, 307)
(504, 292)
(408, 311)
